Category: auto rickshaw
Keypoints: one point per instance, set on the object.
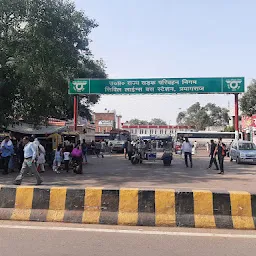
(147, 150)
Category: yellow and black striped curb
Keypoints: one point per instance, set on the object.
(136, 207)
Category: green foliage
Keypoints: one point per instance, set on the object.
(248, 100)
(201, 117)
(181, 118)
(136, 121)
(157, 121)
(154, 121)
(217, 116)
(43, 45)
(229, 129)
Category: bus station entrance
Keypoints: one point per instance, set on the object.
(158, 86)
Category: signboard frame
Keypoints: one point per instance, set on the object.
(151, 86)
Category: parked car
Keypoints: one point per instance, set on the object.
(243, 151)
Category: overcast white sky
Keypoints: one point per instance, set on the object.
(171, 38)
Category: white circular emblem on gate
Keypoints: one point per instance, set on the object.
(234, 84)
(79, 86)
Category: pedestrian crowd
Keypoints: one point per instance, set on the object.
(217, 151)
(30, 157)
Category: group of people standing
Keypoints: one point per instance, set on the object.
(216, 151)
(76, 154)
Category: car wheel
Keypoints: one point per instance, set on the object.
(238, 161)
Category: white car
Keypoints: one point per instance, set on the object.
(243, 151)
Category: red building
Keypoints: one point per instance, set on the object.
(105, 122)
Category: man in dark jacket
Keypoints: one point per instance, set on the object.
(221, 152)
(213, 156)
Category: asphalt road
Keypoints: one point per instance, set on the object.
(47, 239)
(115, 172)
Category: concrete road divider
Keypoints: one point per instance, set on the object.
(200, 209)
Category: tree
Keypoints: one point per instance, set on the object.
(201, 117)
(154, 121)
(136, 121)
(218, 116)
(43, 45)
(193, 114)
(248, 100)
(229, 129)
(157, 121)
(181, 118)
(91, 68)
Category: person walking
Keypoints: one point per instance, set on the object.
(125, 149)
(194, 148)
(13, 160)
(93, 146)
(130, 149)
(208, 147)
(213, 156)
(28, 163)
(84, 150)
(110, 147)
(41, 158)
(103, 148)
(7, 151)
(66, 156)
(187, 150)
(20, 153)
(97, 148)
(57, 160)
(77, 156)
(36, 144)
(220, 150)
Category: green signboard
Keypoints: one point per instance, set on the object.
(158, 86)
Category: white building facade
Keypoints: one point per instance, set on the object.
(155, 130)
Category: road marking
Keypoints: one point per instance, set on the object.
(124, 231)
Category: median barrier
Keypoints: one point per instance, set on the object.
(168, 208)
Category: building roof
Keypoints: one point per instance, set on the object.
(157, 126)
(56, 122)
(30, 129)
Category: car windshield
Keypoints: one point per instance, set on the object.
(246, 146)
(119, 137)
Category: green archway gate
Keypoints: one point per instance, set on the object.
(202, 85)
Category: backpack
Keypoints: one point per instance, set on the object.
(224, 152)
(76, 152)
